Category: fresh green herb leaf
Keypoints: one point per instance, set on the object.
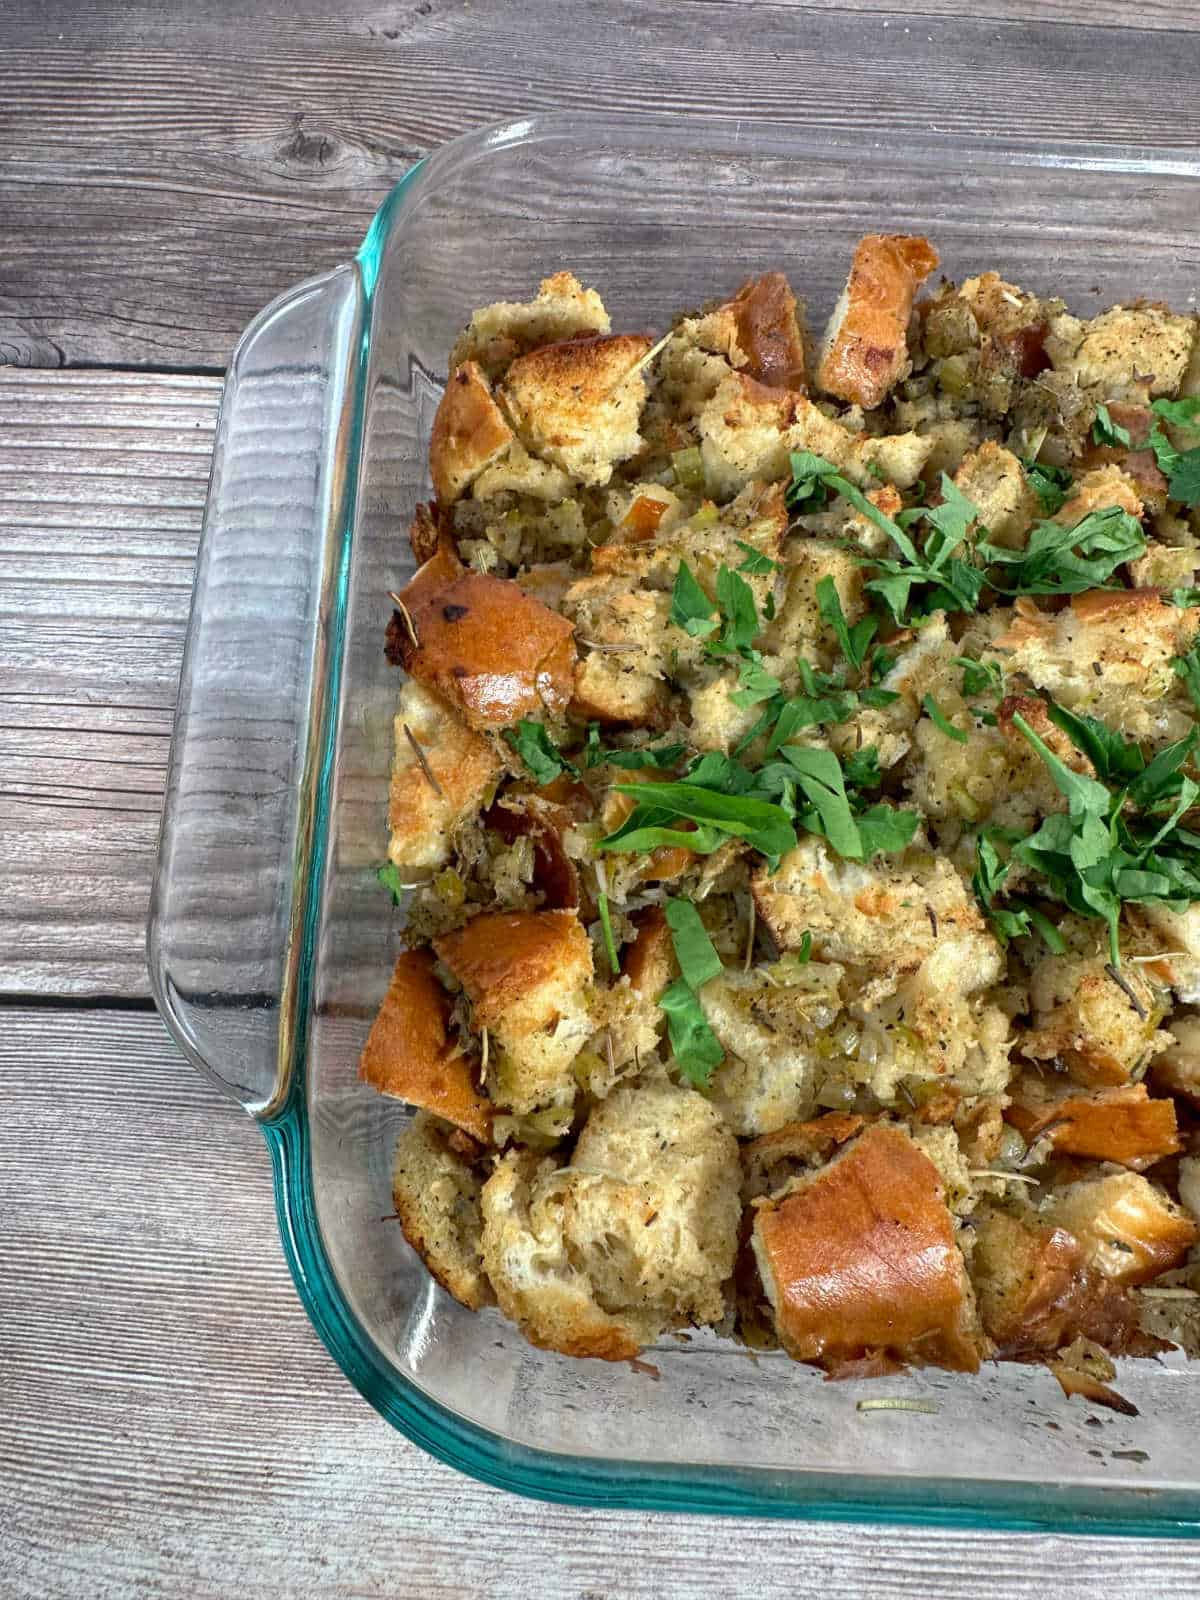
(1114, 759)
(696, 1048)
(691, 609)
(542, 757)
(694, 950)
(1183, 413)
(1050, 484)
(937, 716)
(769, 608)
(764, 826)
(1060, 560)
(1106, 431)
(389, 877)
(862, 770)
(756, 564)
(1183, 598)
(952, 584)
(1185, 479)
(610, 944)
(819, 776)
(882, 828)
(1165, 453)
(736, 601)
(854, 641)
(1041, 923)
(595, 754)
(1187, 667)
(757, 685)
(882, 663)
(980, 677)
(803, 951)
(1085, 796)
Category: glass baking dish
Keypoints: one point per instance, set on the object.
(271, 941)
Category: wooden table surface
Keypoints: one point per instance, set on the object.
(169, 1423)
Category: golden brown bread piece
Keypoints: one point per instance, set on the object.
(426, 808)
(410, 1052)
(576, 404)
(859, 1260)
(865, 348)
(637, 1234)
(469, 433)
(1120, 1124)
(486, 646)
(1128, 1229)
(527, 975)
(765, 322)
(1085, 1020)
(1036, 1293)
(437, 1180)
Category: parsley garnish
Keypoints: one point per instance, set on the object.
(718, 816)
(1188, 668)
(756, 564)
(596, 754)
(1050, 484)
(691, 609)
(543, 759)
(980, 677)
(1181, 467)
(1060, 560)
(855, 642)
(946, 582)
(696, 1047)
(1106, 431)
(937, 716)
(1114, 844)
(833, 803)
(389, 877)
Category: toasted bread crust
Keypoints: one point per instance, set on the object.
(436, 1188)
(1120, 1124)
(500, 958)
(865, 347)
(469, 433)
(411, 1054)
(486, 646)
(860, 1258)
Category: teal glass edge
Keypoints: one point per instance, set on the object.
(545, 1475)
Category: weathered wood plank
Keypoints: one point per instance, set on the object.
(102, 485)
(171, 1425)
(167, 173)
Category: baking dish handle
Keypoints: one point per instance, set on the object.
(239, 859)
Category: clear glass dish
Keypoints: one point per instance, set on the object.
(271, 940)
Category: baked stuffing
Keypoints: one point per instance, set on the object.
(796, 806)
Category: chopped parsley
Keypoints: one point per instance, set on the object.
(1181, 467)
(1062, 560)
(1050, 484)
(543, 759)
(1106, 431)
(389, 877)
(1120, 843)
(980, 677)
(696, 1047)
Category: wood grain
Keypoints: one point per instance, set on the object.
(102, 485)
(168, 171)
(171, 1426)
